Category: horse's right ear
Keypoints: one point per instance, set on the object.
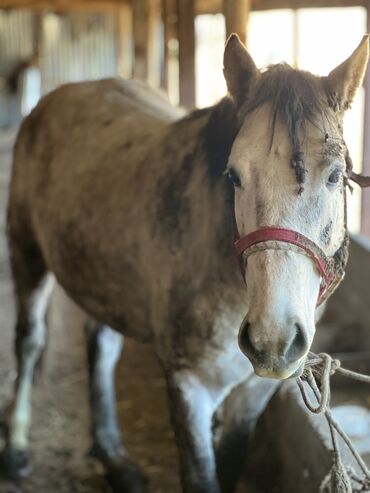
(343, 82)
(240, 70)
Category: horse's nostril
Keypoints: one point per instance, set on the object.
(298, 346)
(245, 343)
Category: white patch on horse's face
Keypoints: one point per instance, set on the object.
(283, 286)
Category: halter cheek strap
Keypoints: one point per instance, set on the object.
(276, 238)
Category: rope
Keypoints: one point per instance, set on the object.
(318, 370)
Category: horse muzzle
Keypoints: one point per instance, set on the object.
(278, 348)
(283, 359)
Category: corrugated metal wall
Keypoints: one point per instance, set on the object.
(16, 36)
(16, 45)
(77, 46)
(72, 47)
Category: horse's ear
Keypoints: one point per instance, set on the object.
(343, 81)
(240, 70)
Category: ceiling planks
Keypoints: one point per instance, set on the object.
(62, 5)
(201, 6)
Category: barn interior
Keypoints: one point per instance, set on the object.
(177, 46)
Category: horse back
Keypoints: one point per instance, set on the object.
(77, 187)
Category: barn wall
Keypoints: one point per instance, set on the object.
(69, 47)
(77, 46)
(16, 45)
(16, 36)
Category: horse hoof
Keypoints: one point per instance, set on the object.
(14, 463)
(128, 478)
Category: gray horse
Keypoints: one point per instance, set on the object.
(126, 203)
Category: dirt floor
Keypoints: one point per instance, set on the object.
(60, 433)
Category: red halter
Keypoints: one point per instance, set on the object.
(325, 265)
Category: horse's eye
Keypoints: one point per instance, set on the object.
(334, 177)
(233, 177)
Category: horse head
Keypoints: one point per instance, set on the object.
(290, 168)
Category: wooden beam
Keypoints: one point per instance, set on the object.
(141, 37)
(208, 7)
(365, 206)
(124, 41)
(170, 33)
(166, 38)
(236, 14)
(186, 31)
(201, 6)
(146, 30)
(216, 6)
(154, 42)
(63, 5)
(303, 4)
(37, 35)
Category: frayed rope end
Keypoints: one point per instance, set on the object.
(337, 480)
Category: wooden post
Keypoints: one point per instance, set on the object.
(38, 18)
(37, 49)
(186, 33)
(164, 66)
(146, 25)
(365, 209)
(141, 36)
(124, 41)
(154, 42)
(236, 14)
(170, 34)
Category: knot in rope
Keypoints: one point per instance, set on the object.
(318, 370)
(322, 364)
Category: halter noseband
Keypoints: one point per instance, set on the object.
(275, 238)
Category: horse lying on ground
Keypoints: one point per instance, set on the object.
(127, 205)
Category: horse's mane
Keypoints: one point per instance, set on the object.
(296, 97)
(221, 124)
(218, 136)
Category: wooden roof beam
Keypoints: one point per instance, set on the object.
(216, 6)
(63, 5)
(201, 6)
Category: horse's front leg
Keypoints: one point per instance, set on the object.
(241, 411)
(191, 408)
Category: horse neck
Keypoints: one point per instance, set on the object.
(211, 132)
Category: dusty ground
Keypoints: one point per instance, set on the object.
(60, 432)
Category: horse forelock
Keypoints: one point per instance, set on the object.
(296, 97)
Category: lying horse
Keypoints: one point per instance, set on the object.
(134, 209)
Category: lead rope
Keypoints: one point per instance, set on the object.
(318, 370)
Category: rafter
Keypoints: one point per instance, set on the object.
(201, 6)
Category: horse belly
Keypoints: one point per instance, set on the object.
(112, 292)
(93, 251)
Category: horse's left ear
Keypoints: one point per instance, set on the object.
(343, 81)
(240, 71)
